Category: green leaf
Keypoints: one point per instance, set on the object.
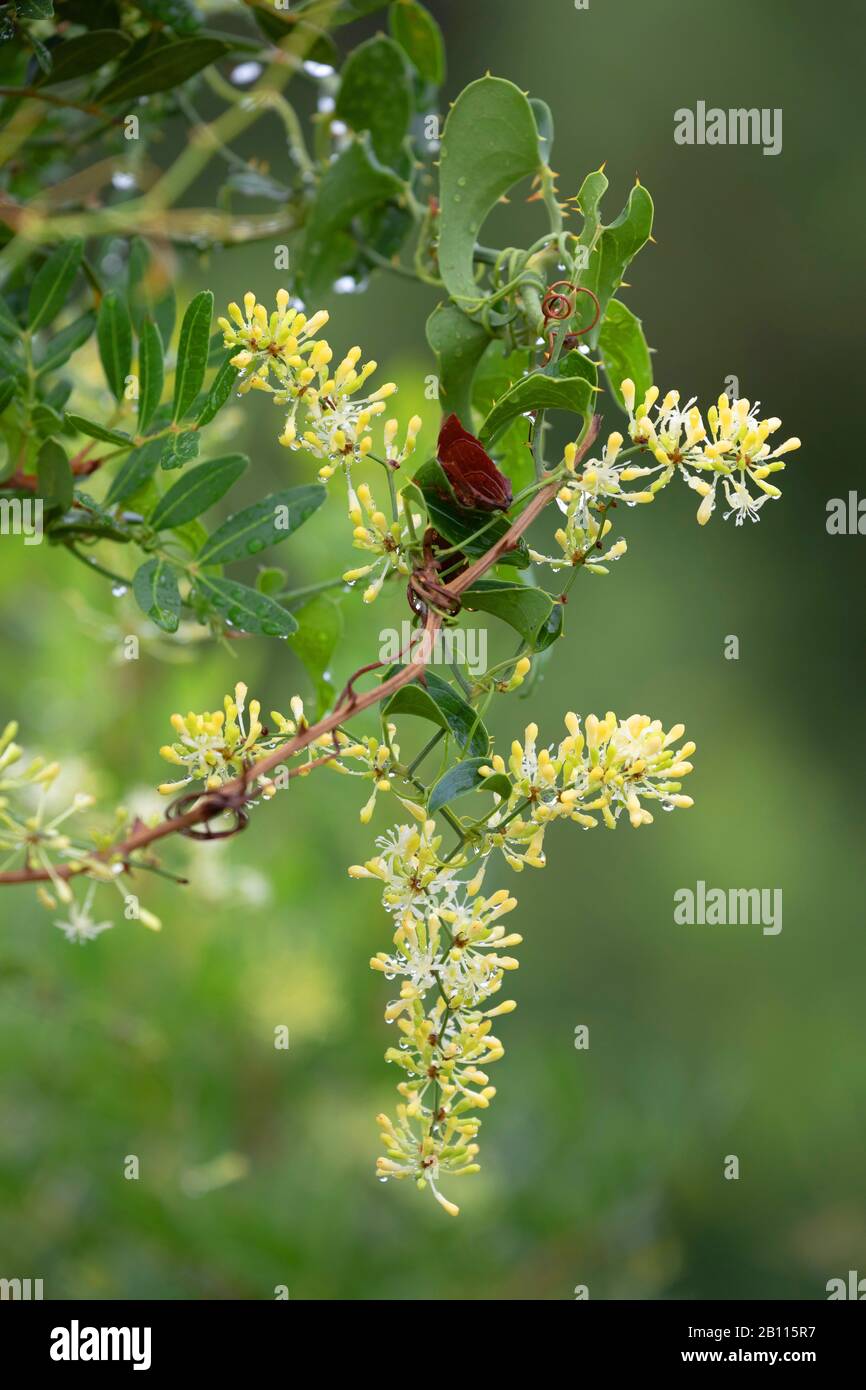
(197, 490)
(60, 346)
(155, 588)
(271, 580)
(568, 384)
(529, 611)
(458, 524)
(420, 37)
(34, 9)
(138, 467)
(84, 54)
(192, 353)
(376, 95)
(466, 777)
(178, 449)
(354, 182)
(180, 15)
(244, 607)
(544, 125)
(497, 372)
(150, 371)
(160, 70)
(10, 360)
(7, 391)
(264, 523)
(114, 336)
(490, 142)
(52, 283)
(54, 475)
(9, 326)
(459, 344)
(96, 431)
(148, 290)
(320, 627)
(439, 703)
(617, 245)
(220, 390)
(624, 351)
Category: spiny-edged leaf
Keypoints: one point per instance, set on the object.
(9, 326)
(614, 248)
(150, 371)
(263, 524)
(355, 181)
(459, 344)
(60, 346)
(155, 588)
(420, 37)
(245, 608)
(52, 283)
(544, 125)
(220, 390)
(198, 489)
(466, 777)
(178, 449)
(529, 611)
(568, 384)
(192, 352)
(79, 56)
(439, 703)
(54, 475)
(458, 524)
(149, 290)
(114, 337)
(97, 431)
(376, 95)
(138, 467)
(320, 627)
(624, 351)
(489, 143)
(162, 69)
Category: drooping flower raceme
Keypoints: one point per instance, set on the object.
(451, 950)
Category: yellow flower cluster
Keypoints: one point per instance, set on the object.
(450, 947)
(280, 353)
(389, 541)
(581, 538)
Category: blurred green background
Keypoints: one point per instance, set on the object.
(602, 1167)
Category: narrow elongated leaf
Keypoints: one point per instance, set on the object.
(163, 69)
(150, 371)
(263, 524)
(97, 431)
(54, 475)
(192, 353)
(9, 327)
(464, 777)
(439, 703)
(489, 143)
(84, 54)
(220, 390)
(566, 385)
(198, 489)
(156, 593)
(376, 95)
(544, 125)
(420, 37)
(139, 466)
(320, 627)
(245, 608)
(52, 282)
(149, 290)
(624, 351)
(114, 337)
(60, 346)
(459, 344)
